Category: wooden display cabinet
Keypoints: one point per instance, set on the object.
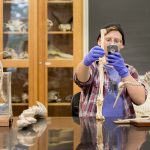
(18, 43)
(41, 43)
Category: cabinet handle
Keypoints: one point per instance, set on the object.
(47, 63)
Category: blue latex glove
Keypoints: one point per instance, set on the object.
(115, 59)
(94, 55)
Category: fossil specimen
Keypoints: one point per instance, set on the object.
(11, 53)
(65, 27)
(144, 109)
(49, 24)
(15, 26)
(30, 115)
(55, 53)
(100, 99)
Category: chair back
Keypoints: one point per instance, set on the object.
(75, 104)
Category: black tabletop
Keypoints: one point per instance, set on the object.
(67, 133)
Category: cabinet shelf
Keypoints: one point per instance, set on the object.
(59, 104)
(15, 63)
(60, 32)
(13, 2)
(15, 33)
(60, 1)
(59, 63)
(20, 104)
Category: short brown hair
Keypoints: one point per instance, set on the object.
(113, 27)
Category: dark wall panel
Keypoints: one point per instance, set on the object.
(134, 16)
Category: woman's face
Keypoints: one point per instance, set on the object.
(112, 38)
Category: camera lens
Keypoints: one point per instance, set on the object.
(109, 52)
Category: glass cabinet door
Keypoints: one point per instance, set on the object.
(41, 44)
(60, 51)
(60, 29)
(17, 49)
(15, 29)
(59, 47)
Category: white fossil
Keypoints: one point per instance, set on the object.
(16, 26)
(144, 109)
(49, 24)
(23, 55)
(30, 115)
(24, 97)
(11, 53)
(146, 78)
(65, 27)
(100, 99)
(56, 53)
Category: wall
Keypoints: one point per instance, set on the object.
(134, 16)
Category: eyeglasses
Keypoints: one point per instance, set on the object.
(111, 40)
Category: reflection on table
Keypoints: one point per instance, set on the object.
(113, 136)
(67, 133)
(14, 139)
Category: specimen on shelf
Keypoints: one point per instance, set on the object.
(53, 96)
(15, 26)
(49, 24)
(55, 53)
(65, 27)
(12, 54)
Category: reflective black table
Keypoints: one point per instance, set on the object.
(67, 133)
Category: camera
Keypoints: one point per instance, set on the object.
(112, 48)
